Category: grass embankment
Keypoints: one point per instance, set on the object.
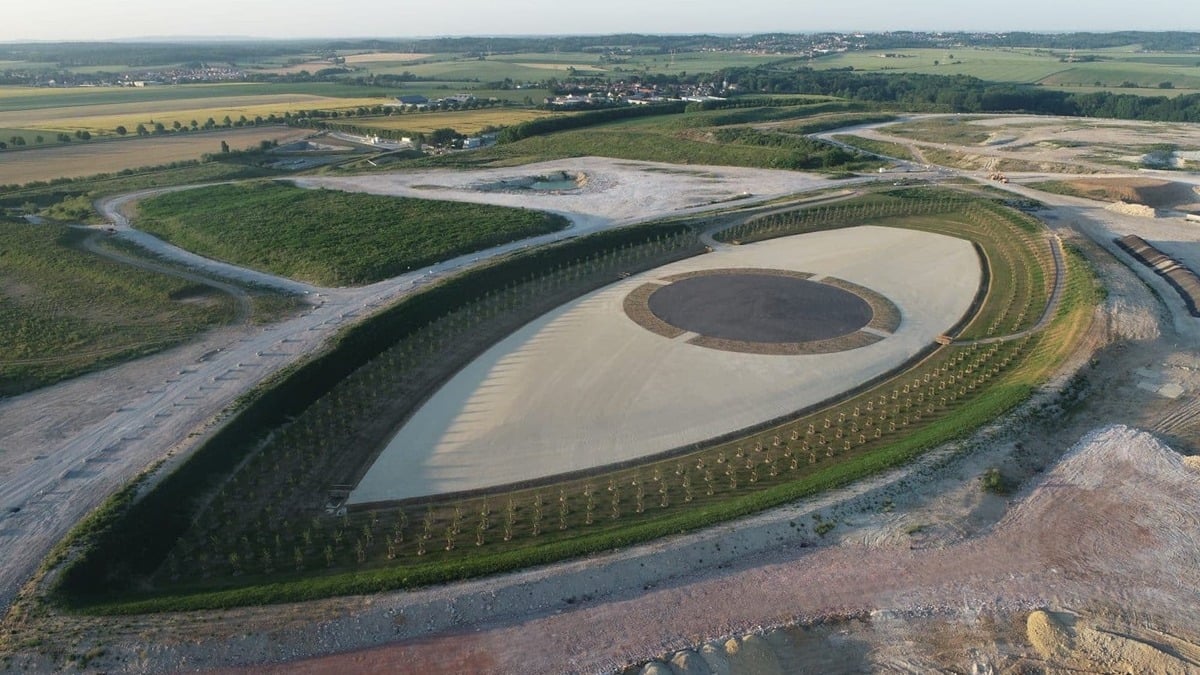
(1020, 263)
(331, 237)
(65, 311)
(885, 148)
(835, 121)
(955, 130)
(243, 550)
(70, 199)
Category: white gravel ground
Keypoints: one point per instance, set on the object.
(616, 191)
(584, 386)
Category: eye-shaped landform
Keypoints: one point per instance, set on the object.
(738, 337)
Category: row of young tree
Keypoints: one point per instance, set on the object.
(258, 526)
(257, 514)
(267, 542)
(1020, 267)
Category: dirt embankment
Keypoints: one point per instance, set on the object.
(1157, 194)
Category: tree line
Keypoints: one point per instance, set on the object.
(546, 125)
(961, 93)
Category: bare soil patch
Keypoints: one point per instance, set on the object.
(841, 343)
(376, 57)
(1159, 194)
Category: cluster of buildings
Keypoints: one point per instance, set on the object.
(619, 93)
(419, 102)
(181, 76)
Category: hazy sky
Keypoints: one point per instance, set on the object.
(105, 19)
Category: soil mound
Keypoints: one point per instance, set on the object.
(555, 181)
(1071, 643)
(1158, 194)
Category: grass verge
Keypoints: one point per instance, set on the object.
(65, 311)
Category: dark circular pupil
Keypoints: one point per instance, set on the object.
(759, 308)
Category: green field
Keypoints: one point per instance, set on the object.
(1113, 68)
(34, 98)
(987, 64)
(1141, 74)
(65, 311)
(330, 237)
(236, 555)
(1091, 89)
(34, 138)
(436, 90)
(535, 67)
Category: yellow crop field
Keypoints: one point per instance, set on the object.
(310, 66)
(104, 118)
(464, 122)
(85, 159)
(383, 57)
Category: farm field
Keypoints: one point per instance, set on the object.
(329, 237)
(464, 121)
(1091, 89)
(86, 159)
(1031, 66)
(103, 119)
(484, 90)
(988, 64)
(373, 57)
(537, 66)
(66, 311)
(1121, 73)
(286, 67)
(30, 98)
